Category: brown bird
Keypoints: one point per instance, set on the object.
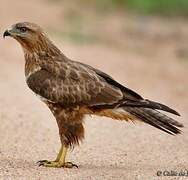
(72, 90)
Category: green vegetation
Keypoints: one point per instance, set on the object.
(157, 7)
(151, 7)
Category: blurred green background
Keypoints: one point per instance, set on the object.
(126, 24)
(157, 7)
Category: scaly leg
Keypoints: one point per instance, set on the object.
(60, 160)
(59, 154)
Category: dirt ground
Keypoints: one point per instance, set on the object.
(149, 55)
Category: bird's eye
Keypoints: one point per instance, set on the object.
(23, 29)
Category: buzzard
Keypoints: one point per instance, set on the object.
(72, 90)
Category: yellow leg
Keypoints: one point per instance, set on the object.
(60, 160)
(59, 154)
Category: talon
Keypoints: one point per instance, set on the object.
(47, 163)
(56, 164)
(73, 165)
(41, 161)
(40, 164)
(59, 162)
(70, 165)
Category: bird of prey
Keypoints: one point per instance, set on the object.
(72, 90)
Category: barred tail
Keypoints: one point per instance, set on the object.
(156, 119)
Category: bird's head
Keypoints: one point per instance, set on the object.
(23, 30)
(30, 36)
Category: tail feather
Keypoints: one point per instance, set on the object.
(156, 119)
(151, 104)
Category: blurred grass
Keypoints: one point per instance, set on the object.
(148, 7)
(75, 36)
(82, 23)
(151, 7)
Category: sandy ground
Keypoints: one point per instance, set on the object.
(112, 149)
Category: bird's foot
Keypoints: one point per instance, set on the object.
(56, 164)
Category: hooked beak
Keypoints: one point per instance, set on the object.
(6, 33)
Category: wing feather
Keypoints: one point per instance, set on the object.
(72, 84)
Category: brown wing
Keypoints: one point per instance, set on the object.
(73, 83)
(70, 83)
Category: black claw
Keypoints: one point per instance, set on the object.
(73, 165)
(67, 165)
(40, 164)
(42, 161)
